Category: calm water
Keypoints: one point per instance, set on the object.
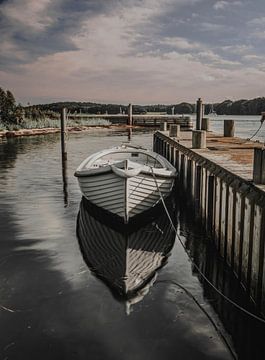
(52, 306)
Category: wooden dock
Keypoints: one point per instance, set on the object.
(153, 120)
(218, 180)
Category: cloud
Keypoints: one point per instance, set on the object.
(222, 4)
(180, 43)
(209, 26)
(45, 27)
(31, 13)
(215, 60)
(257, 22)
(253, 57)
(237, 49)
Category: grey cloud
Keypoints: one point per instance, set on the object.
(212, 29)
(66, 19)
(196, 23)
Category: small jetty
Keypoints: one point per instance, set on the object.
(224, 179)
(147, 120)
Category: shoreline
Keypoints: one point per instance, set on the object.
(70, 129)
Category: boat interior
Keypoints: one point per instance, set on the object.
(133, 158)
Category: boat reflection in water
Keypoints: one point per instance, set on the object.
(125, 257)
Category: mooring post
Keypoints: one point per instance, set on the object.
(198, 139)
(130, 119)
(63, 145)
(229, 128)
(259, 166)
(199, 112)
(206, 124)
(174, 131)
(163, 126)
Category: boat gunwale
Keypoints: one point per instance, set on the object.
(87, 173)
(96, 156)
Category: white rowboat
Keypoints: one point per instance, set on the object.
(125, 180)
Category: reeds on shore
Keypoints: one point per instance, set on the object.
(50, 123)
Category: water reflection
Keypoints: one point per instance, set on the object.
(129, 132)
(247, 332)
(125, 257)
(65, 181)
(61, 310)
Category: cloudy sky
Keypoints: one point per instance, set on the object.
(139, 51)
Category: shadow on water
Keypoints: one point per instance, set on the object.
(247, 332)
(125, 257)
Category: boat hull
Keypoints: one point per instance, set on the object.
(125, 197)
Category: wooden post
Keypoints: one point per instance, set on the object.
(198, 176)
(63, 146)
(229, 128)
(177, 161)
(198, 139)
(130, 120)
(189, 179)
(174, 131)
(163, 126)
(259, 166)
(182, 170)
(172, 155)
(210, 204)
(206, 124)
(199, 110)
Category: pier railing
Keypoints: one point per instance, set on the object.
(231, 208)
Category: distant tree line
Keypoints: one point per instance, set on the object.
(11, 113)
(227, 107)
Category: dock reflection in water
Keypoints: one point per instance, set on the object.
(126, 258)
(247, 332)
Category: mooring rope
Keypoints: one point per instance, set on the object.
(257, 131)
(197, 267)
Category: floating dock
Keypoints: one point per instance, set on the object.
(218, 180)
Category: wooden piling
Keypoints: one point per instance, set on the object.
(163, 126)
(174, 131)
(198, 139)
(229, 128)
(197, 194)
(259, 166)
(63, 145)
(199, 114)
(130, 118)
(205, 124)
(210, 203)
